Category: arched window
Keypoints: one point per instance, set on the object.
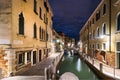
(118, 23)
(104, 29)
(98, 32)
(104, 9)
(35, 31)
(21, 24)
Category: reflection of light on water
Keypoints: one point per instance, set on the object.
(79, 65)
(63, 59)
(58, 71)
(88, 69)
(69, 53)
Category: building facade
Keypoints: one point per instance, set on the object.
(25, 34)
(100, 34)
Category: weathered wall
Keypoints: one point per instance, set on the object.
(5, 21)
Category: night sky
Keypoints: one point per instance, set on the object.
(71, 15)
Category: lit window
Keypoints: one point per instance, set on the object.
(21, 24)
(104, 46)
(118, 23)
(28, 56)
(97, 46)
(104, 29)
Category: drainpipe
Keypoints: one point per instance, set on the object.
(110, 26)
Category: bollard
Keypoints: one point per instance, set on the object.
(101, 66)
(93, 61)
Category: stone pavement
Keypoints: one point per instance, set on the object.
(105, 69)
(39, 69)
(37, 72)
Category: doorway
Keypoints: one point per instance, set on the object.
(34, 57)
(118, 54)
(40, 53)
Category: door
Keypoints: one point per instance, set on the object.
(34, 57)
(118, 54)
(40, 55)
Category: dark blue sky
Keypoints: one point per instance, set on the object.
(71, 15)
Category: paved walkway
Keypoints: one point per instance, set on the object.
(37, 72)
(106, 69)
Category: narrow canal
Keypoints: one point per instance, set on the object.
(75, 65)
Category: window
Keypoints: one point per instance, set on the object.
(40, 13)
(44, 18)
(35, 6)
(97, 15)
(98, 32)
(35, 31)
(21, 58)
(104, 9)
(118, 46)
(118, 23)
(21, 24)
(25, 0)
(93, 21)
(40, 32)
(104, 46)
(97, 46)
(28, 56)
(104, 29)
(47, 36)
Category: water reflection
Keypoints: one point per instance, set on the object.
(75, 65)
(78, 65)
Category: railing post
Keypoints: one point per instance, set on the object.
(45, 73)
(101, 67)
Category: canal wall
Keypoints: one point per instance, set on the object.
(99, 73)
(56, 63)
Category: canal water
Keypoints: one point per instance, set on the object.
(75, 65)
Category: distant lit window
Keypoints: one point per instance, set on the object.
(21, 24)
(98, 32)
(97, 46)
(104, 9)
(104, 29)
(28, 56)
(118, 23)
(104, 46)
(35, 31)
